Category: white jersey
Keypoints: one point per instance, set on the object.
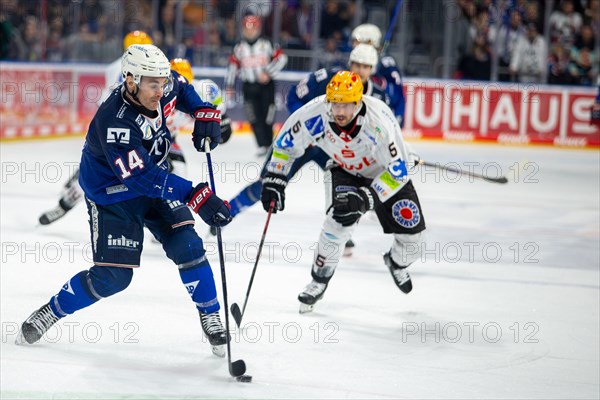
(112, 78)
(377, 152)
(180, 122)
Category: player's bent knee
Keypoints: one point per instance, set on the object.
(183, 245)
(106, 281)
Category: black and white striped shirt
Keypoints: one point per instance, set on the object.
(253, 59)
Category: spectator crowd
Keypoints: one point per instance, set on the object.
(509, 32)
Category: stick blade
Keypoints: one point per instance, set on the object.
(236, 313)
(237, 368)
(501, 179)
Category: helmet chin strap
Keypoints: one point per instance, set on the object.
(136, 101)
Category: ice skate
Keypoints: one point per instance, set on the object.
(348, 248)
(52, 215)
(312, 293)
(215, 332)
(38, 323)
(400, 274)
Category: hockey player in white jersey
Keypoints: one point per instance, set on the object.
(180, 122)
(370, 170)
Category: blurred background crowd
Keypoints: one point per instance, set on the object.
(541, 41)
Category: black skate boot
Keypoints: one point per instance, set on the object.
(215, 332)
(36, 325)
(348, 248)
(52, 215)
(312, 293)
(400, 274)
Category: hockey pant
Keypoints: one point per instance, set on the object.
(400, 216)
(117, 241)
(406, 248)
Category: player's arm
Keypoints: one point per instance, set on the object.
(233, 65)
(290, 143)
(395, 88)
(278, 61)
(133, 166)
(392, 152)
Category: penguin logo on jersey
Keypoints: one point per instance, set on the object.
(406, 213)
(315, 125)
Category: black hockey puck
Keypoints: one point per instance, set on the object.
(244, 378)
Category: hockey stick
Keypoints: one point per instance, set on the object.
(235, 309)
(501, 179)
(236, 368)
(388, 34)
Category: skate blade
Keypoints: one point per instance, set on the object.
(306, 308)
(20, 340)
(219, 350)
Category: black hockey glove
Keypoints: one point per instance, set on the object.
(213, 210)
(225, 128)
(273, 189)
(207, 125)
(349, 206)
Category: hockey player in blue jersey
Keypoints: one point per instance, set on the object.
(387, 70)
(72, 194)
(363, 61)
(127, 186)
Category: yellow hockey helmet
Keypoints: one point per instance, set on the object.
(136, 37)
(344, 87)
(183, 68)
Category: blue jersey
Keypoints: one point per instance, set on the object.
(315, 85)
(124, 155)
(390, 73)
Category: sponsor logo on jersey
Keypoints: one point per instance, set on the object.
(67, 288)
(345, 188)
(315, 125)
(122, 242)
(286, 140)
(398, 169)
(406, 213)
(116, 189)
(356, 166)
(191, 287)
(379, 189)
(170, 107)
(173, 204)
(117, 135)
(347, 153)
(140, 120)
(121, 111)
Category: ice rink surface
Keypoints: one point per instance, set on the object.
(505, 301)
